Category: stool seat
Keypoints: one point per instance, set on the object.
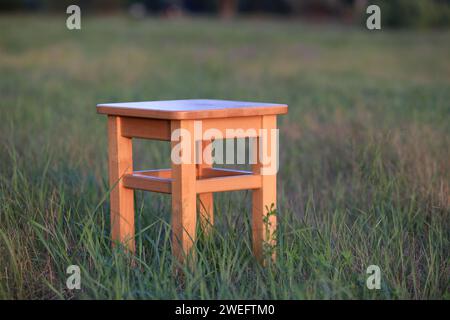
(191, 109)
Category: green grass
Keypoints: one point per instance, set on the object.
(365, 152)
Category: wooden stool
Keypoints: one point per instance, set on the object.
(198, 121)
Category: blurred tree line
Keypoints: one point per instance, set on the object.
(395, 13)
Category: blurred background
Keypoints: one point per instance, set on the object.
(364, 151)
(396, 13)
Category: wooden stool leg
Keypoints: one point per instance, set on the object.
(121, 199)
(184, 215)
(265, 198)
(206, 200)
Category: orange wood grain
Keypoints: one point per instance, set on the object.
(213, 180)
(191, 109)
(148, 183)
(264, 198)
(155, 129)
(184, 215)
(234, 127)
(206, 200)
(186, 181)
(222, 172)
(160, 173)
(122, 199)
(206, 172)
(228, 183)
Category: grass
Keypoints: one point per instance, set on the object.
(364, 175)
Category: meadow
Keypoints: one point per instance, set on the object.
(364, 157)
